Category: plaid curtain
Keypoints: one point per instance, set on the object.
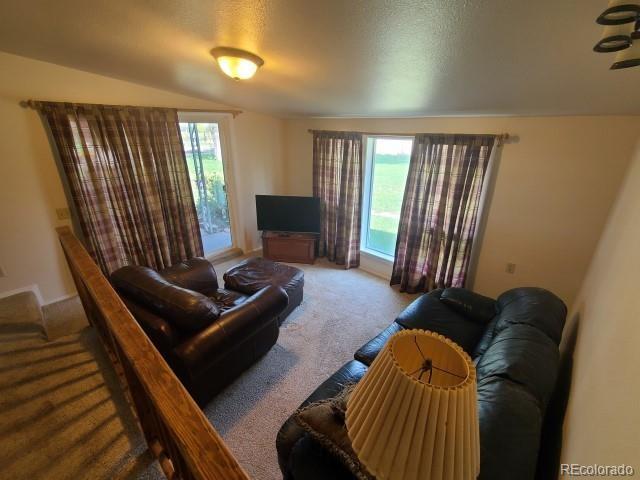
(127, 174)
(337, 181)
(439, 211)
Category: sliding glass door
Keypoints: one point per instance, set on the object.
(203, 149)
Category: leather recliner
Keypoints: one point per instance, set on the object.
(208, 335)
(514, 343)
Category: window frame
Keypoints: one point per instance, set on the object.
(224, 129)
(367, 184)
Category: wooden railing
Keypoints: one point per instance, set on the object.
(177, 432)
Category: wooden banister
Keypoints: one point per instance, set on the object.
(177, 432)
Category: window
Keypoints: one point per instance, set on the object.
(386, 168)
(204, 152)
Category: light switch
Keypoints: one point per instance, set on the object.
(511, 268)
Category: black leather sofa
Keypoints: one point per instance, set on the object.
(514, 343)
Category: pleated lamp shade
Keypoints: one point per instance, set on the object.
(413, 416)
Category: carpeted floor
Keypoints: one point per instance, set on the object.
(62, 416)
(62, 413)
(342, 309)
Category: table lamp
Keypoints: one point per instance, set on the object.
(413, 416)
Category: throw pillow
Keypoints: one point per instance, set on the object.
(324, 421)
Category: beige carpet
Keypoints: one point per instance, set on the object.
(62, 415)
(342, 309)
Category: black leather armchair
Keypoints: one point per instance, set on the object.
(514, 343)
(207, 334)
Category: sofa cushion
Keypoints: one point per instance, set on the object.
(473, 306)
(195, 274)
(532, 306)
(227, 299)
(486, 339)
(524, 355)
(510, 424)
(369, 351)
(429, 313)
(184, 309)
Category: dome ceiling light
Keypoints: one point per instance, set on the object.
(236, 63)
(621, 34)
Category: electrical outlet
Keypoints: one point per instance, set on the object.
(2, 274)
(511, 268)
(63, 213)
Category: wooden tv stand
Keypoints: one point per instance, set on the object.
(289, 247)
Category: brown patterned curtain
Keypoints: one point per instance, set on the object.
(337, 181)
(439, 210)
(128, 177)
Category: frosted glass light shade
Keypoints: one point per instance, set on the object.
(406, 423)
(236, 63)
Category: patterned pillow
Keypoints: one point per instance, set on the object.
(324, 421)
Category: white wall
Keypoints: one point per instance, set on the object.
(601, 424)
(555, 183)
(554, 186)
(30, 186)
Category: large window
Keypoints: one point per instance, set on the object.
(202, 146)
(386, 168)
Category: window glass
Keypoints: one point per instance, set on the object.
(386, 175)
(206, 171)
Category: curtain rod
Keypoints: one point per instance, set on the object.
(34, 104)
(502, 137)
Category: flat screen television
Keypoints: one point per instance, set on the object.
(279, 213)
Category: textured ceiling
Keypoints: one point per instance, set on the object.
(341, 58)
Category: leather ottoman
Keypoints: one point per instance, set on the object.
(253, 274)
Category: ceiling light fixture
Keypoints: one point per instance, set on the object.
(629, 57)
(238, 64)
(619, 12)
(621, 33)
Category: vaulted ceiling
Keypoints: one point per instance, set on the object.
(341, 58)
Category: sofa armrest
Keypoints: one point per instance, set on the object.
(233, 326)
(162, 334)
(472, 305)
(369, 351)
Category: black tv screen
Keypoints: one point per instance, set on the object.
(288, 214)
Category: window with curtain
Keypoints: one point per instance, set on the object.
(440, 210)
(127, 174)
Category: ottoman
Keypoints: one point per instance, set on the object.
(255, 273)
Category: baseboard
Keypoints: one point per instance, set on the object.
(224, 255)
(256, 252)
(29, 288)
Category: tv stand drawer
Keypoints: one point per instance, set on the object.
(289, 247)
